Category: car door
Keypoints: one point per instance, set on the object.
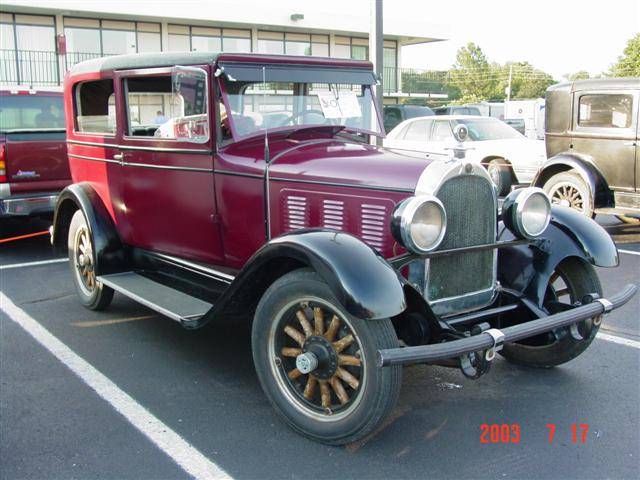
(605, 126)
(166, 184)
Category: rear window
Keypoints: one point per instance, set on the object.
(95, 107)
(605, 110)
(31, 112)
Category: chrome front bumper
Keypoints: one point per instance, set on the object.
(487, 340)
(23, 205)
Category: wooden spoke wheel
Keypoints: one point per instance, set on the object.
(82, 260)
(311, 329)
(316, 362)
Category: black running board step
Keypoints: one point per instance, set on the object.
(165, 300)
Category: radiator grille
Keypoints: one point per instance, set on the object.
(471, 220)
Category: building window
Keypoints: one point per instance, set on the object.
(184, 38)
(358, 49)
(293, 43)
(90, 38)
(28, 50)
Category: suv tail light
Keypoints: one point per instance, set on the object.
(3, 165)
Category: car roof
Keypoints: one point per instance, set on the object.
(169, 59)
(596, 83)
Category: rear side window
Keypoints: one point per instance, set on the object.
(95, 107)
(417, 131)
(605, 110)
(31, 112)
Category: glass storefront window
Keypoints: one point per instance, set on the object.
(82, 40)
(271, 46)
(236, 44)
(179, 43)
(206, 44)
(149, 42)
(116, 42)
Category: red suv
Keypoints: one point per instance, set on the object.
(33, 153)
(246, 186)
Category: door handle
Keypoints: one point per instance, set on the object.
(117, 156)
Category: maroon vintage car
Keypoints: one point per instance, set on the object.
(33, 152)
(243, 185)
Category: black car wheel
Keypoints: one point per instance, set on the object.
(317, 363)
(569, 190)
(571, 281)
(500, 173)
(93, 294)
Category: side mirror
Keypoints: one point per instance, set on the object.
(460, 132)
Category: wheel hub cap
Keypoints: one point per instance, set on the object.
(320, 350)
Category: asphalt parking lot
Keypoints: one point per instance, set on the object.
(202, 386)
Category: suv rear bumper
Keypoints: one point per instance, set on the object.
(28, 204)
(484, 341)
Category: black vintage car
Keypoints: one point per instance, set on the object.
(591, 132)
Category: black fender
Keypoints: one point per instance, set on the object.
(360, 278)
(585, 167)
(527, 268)
(109, 252)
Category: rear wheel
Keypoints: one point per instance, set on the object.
(570, 190)
(500, 173)
(571, 281)
(93, 294)
(317, 363)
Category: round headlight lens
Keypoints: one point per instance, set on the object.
(535, 214)
(527, 212)
(419, 223)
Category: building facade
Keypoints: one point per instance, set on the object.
(40, 41)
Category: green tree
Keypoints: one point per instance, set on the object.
(526, 81)
(581, 75)
(628, 64)
(472, 74)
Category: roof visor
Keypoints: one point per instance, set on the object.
(244, 72)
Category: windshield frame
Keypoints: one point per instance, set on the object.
(224, 96)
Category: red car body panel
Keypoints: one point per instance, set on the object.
(215, 211)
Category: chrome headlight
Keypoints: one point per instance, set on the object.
(419, 223)
(527, 212)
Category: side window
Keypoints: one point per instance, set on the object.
(169, 106)
(95, 107)
(442, 132)
(417, 131)
(605, 110)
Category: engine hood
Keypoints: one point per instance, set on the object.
(338, 161)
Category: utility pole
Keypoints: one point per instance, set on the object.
(509, 86)
(375, 52)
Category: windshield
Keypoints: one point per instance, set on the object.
(31, 112)
(488, 129)
(255, 106)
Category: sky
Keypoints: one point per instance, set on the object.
(556, 36)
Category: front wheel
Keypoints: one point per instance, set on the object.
(93, 294)
(317, 363)
(571, 281)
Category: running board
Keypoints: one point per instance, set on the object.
(165, 300)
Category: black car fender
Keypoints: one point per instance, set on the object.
(108, 249)
(528, 268)
(360, 278)
(585, 167)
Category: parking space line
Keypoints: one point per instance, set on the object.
(33, 264)
(629, 252)
(619, 340)
(191, 460)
